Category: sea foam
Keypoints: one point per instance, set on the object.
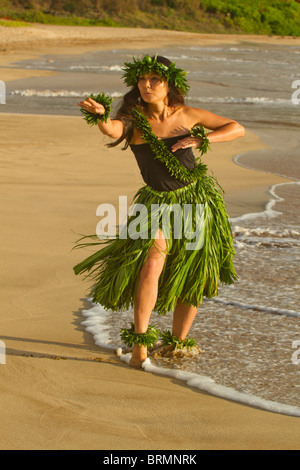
(58, 93)
(97, 325)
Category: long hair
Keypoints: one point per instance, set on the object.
(132, 99)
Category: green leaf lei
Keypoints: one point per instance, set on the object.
(163, 154)
(169, 339)
(93, 119)
(129, 337)
(139, 67)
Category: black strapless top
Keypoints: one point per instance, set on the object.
(154, 172)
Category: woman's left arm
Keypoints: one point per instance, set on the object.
(223, 129)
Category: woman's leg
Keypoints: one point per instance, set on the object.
(146, 294)
(183, 318)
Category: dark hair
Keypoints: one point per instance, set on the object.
(132, 99)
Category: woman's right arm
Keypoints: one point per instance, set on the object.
(113, 129)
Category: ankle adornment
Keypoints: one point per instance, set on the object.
(130, 338)
(169, 339)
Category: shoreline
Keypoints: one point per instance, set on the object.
(97, 36)
(33, 41)
(96, 317)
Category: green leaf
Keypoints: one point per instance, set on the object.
(169, 339)
(163, 154)
(129, 337)
(134, 70)
(93, 119)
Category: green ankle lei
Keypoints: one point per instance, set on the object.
(130, 338)
(167, 157)
(93, 119)
(171, 340)
(148, 339)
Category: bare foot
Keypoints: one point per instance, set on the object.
(163, 351)
(171, 351)
(139, 355)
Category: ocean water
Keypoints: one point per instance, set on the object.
(251, 82)
(249, 334)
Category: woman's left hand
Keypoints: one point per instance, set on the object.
(186, 143)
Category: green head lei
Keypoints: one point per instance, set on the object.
(139, 67)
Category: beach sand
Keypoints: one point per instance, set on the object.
(59, 390)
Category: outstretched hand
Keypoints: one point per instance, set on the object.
(92, 106)
(187, 142)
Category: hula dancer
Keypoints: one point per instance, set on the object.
(162, 268)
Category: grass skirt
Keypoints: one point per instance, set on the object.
(195, 224)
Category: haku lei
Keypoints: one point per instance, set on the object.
(139, 67)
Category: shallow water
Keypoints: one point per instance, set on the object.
(248, 82)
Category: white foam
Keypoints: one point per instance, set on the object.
(112, 68)
(95, 323)
(260, 308)
(266, 232)
(269, 212)
(265, 237)
(49, 93)
(206, 384)
(58, 93)
(206, 99)
(263, 100)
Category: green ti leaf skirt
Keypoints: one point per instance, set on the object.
(195, 224)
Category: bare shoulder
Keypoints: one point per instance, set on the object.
(207, 119)
(189, 110)
(192, 115)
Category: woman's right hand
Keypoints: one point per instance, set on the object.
(92, 106)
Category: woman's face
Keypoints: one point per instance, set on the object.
(153, 88)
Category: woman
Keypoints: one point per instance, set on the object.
(160, 272)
